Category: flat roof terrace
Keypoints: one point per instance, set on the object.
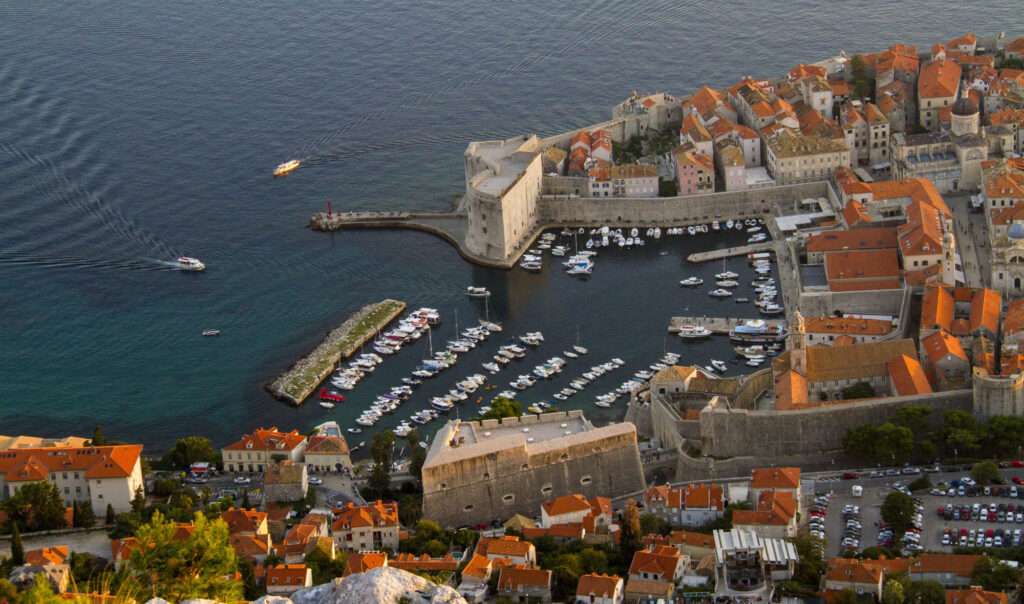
(529, 428)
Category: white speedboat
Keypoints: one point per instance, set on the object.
(211, 332)
(726, 275)
(287, 168)
(477, 292)
(580, 350)
(187, 263)
(691, 282)
(694, 332)
(727, 283)
(720, 293)
(719, 365)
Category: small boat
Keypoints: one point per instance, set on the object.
(727, 283)
(726, 275)
(211, 332)
(742, 300)
(691, 282)
(720, 293)
(533, 267)
(580, 350)
(694, 332)
(719, 365)
(187, 263)
(570, 354)
(477, 292)
(355, 430)
(287, 168)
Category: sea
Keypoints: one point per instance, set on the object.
(132, 132)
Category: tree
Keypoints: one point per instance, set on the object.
(961, 433)
(892, 592)
(139, 502)
(1005, 435)
(811, 566)
(563, 583)
(913, 417)
(98, 439)
(380, 480)
(920, 484)
(202, 565)
(651, 524)
(189, 450)
(110, 515)
(985, 472)
(847, 596)
(897, 442)
(993, 575)
(39, 593)
(381, 447)
(8, 592)
(417, 454)
(861, 88)
(925, 592)
(504, 407)
(630, 530)
(862, 443)
(17, 548)
(898, 510)
(36, 506)
(858, 390)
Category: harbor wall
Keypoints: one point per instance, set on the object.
(662, 211)
(729, 432)
(876, 302)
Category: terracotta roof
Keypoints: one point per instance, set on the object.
(774, 508)
(250, 546)
(242, 520)
(703, 496)
(851, 570)
(937, 308)
(790, 391)
(1013, 322)
(1015, 46)
(636, 586)
(567, 530)
(514, 577)
(855, 214)
(507, 547)
(908, 377)
(857, 361)
(975, 595)
(690, 538)
(941, 344)
(661, 561)
(922, 233)
(57, 554)
(287, 574)
(378, 513)
(775, 478)
(916, 189)
(694, 158)
(938, 79)
(958, 564)
(850, 325)
(986, 305)
(116, 461)
(604, 586)
(424, 562)
(268, 439)
(874, 266)
(479, 567)
(746, 132)
(840, 87)
(873, 238)
(364, 561)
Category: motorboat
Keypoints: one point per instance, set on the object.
(757, 331)
(720, 293)
(719, 365)
(727, 283)
(691, 282)
(533, 267)
(772, 309)
(187, 263)
(477, 292)
(693, 332)
(207, 333)
(355, 430)
(287, 168)
(570, 354)
(580, 350)
(726, 275)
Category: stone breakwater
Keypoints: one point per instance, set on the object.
(306, 375)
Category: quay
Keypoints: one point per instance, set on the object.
(729, 252)
(306, 375)
(717, 325)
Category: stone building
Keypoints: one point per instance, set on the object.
(503, 183)
(937, 87)
(793, 158)
(367, 527)
(496, 468)
(285, 482)
(253, 452)
(328, 454)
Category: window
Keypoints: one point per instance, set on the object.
(508, 498)
(546, 490)
(585, 480)
(468, 508)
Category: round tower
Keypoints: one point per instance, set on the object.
(965, 118)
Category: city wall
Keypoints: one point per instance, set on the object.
(879, 302)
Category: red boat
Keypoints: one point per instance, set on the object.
(326, 395)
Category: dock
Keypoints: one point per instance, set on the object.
(306, 375)
(717, 325)
(743, 250)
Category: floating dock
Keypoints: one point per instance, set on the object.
(717, 325)
(306, 375)
(729, 252)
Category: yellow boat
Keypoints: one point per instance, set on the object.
(287, 168)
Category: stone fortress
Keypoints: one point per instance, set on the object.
(478, 471)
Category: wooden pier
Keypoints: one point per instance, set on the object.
(728, 252)
(306, 375)
(717, 325)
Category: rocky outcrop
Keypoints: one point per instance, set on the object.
(384, 585)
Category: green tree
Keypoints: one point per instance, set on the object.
(189, 450)
(898, 511)
(17, 548)
(110, 517)
(847, 596)
(863, 443)
(913, 417)
(1005, 435)
(630, 531)
(8, 592)
(36, 506)
(858, 390)
(892, 592)
(200, 566)
(593, 560)
(382, 446)
(960, 432)
(39, 593)
(922, 483)
(379, 481)
(139, 502)
(811, 566)
(985, 472)
(98, 439)
(563, 583)
(897, 442)
(651, 524)
(861, 86)
(85, 567)
(504, 407)
(993, 575)
(323, 566)
(417, 454)
(250, 589)
(925, 592)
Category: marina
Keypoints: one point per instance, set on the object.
(716, 325)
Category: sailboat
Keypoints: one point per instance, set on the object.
(486, 321)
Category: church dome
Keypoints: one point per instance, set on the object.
(1016, 231)
(965, 106)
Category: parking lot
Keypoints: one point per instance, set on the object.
(962, 517)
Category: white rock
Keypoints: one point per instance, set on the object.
(384, 585)
(272, 600)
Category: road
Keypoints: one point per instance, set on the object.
(972, 240)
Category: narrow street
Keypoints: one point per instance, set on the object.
(972, 240)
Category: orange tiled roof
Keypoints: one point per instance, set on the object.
(790, 391)
(567, 530)
(957, 564)
(250, 546)
(515, 577)
(937, 308)
(268, 439)
(855, 214)
(975, 595)
(703, 496)
(851, 570)
(287, 574)
(940, 344)
(922, 233)
(918, 189)
(876, 265)
(364, 561)
(424, 562)
(850, 325)
(378, 513)
(479, 567)
(604, 586)
(116, 461)
(908, 377)
(775, 478)
(1013, 322)
(506, 547)
(243, 520)
(660, 560)
(57, 554)
(327, 445)
(986, 305)
(938, 79)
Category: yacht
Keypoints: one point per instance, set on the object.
(691, 282)
(757, 331)
(720, 293)
(287, 168)
(477, 292)
(726, 275)
(533, 267)
(211, 332)
(694, 332)
(186, 263)
(727, 283)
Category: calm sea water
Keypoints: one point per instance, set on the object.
(132, 132)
